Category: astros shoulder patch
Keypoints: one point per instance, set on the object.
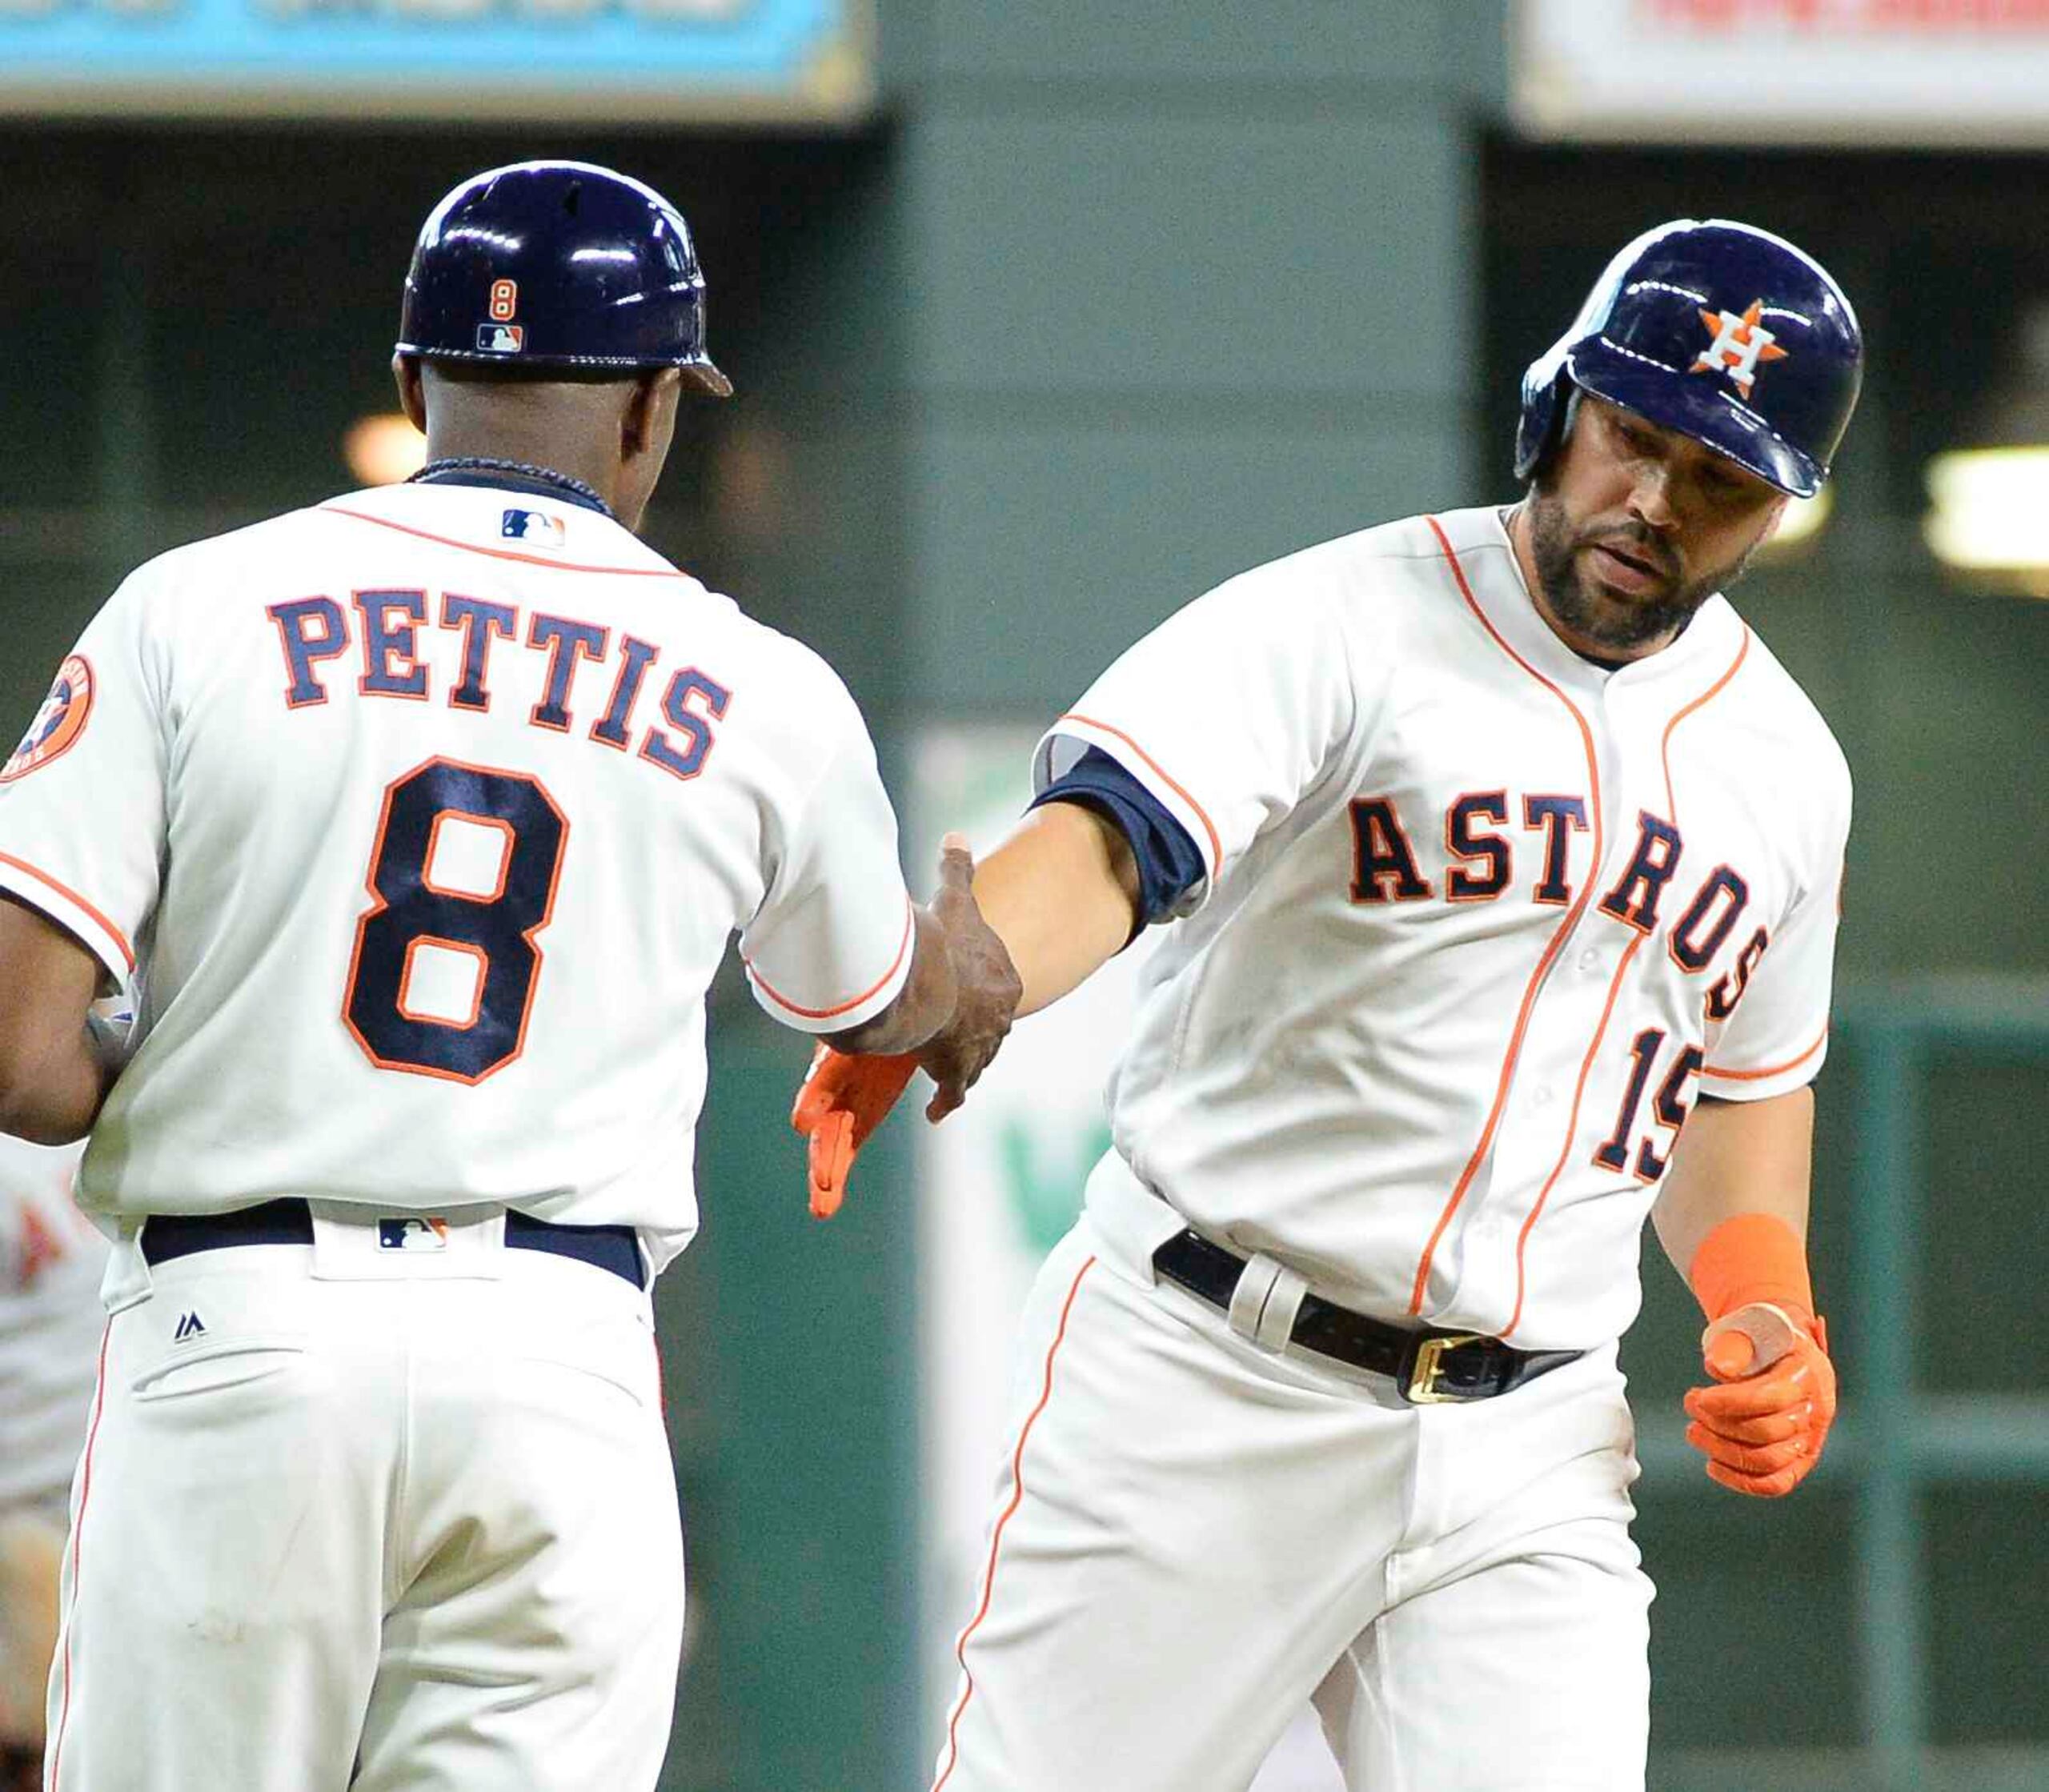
(57, 725)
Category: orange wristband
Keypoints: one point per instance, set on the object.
(1753, 1257)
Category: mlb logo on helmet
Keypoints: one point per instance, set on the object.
(57, 725)
(412, 1232)
(564, 264)
(501, 335)
(534, 527)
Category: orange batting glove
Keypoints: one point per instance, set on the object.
(843, 1099)
(1763, 1425)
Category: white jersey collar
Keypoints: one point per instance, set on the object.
(1485, 557)
(506, 523)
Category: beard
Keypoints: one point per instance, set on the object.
(1604, 619)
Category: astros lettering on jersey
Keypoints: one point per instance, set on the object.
(1424, 799)
(489, 783)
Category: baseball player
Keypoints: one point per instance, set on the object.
(1502, 860)
(50, 1262)
(431, 810)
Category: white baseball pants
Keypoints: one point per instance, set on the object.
(1191, 1535)
(377, 1520)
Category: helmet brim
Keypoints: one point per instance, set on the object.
(1704, 409)
(699, 372)
(706, 379)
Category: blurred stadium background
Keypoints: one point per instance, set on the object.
(1043, 319)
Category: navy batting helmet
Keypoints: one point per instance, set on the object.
(558, 265)
(1720, 331)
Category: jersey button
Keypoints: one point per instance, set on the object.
(1590, 961)
(1541, 1097)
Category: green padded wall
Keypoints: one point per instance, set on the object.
(1186, 287)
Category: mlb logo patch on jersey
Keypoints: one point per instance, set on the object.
(57, 725)
(534, 527)
(501, 339)
(412, 1232)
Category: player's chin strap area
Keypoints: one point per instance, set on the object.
(1427, 1367)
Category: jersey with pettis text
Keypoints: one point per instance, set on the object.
(432, 810)
(1481, 921)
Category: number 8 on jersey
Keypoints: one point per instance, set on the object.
(409, 945)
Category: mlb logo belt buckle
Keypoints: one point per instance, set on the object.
(1422, 1388)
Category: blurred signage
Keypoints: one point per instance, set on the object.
(625, 61)
(1848, 71)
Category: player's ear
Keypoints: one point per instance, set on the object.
(650, 418)
(412, 396)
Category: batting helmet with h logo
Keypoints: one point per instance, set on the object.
(1721, 332)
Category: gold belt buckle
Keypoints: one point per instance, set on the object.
(1422, 1389)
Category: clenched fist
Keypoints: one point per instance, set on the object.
(1763, 1425)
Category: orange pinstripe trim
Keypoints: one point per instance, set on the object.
(1551, 949)
(910, 928)
(502, 553)
(1680, 714)
(77, 1531)
(1572, 1125)
(1615, 987)
(77, 901)
(1769, 1070)
(1822, 1039)
(1202, 815)
(995, 1538)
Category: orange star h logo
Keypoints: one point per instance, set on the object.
(1740, 344)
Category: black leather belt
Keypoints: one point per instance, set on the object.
(166, 1235)
(1428, 1367)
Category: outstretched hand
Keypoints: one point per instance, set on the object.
(1763, 1425)
(845, 1096)
(989, 990)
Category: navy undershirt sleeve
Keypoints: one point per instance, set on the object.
(1169, 862)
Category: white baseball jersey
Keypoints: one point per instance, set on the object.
(1481, 919)
(50, 1263)
(432, 809)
